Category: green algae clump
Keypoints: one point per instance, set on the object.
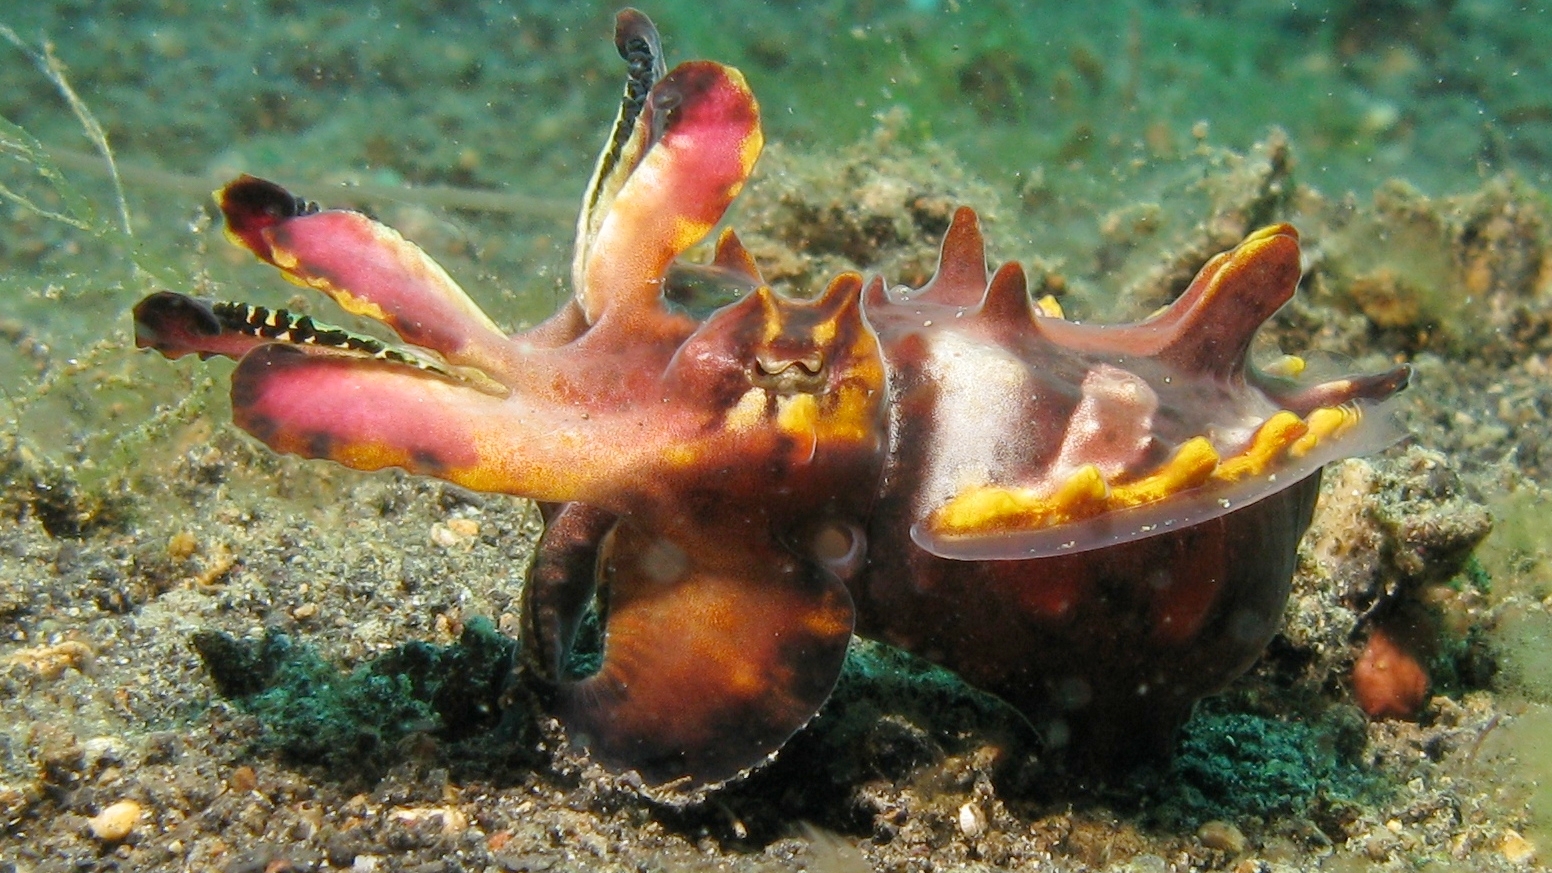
(313, 712)
(1234, 765)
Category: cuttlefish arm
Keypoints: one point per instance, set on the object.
(367, 268)
(714, 654)
(440, 404)
(692, 141)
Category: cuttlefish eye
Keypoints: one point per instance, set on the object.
(805, 374)
(841, 548)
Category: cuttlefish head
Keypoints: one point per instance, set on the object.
(727, 617)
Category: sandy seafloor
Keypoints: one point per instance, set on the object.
(1111, 148)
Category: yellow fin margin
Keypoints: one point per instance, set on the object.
(1086, 494)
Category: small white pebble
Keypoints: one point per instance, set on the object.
(1148, 863)
(115, 822)
(455, 532)
(451, 819)
(103, 750)
(972, 822)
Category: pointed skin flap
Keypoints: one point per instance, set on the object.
(960, 279)
(1213, 322)
(1209, 328)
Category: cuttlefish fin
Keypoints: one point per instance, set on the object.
(707, 669)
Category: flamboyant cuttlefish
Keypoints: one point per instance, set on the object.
(1098, 523)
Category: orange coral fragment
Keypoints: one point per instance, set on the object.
(1388, 680)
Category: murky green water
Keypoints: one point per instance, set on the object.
(472, 128)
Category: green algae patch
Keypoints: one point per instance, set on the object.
(906, 712)
(1236, 765)
(314, 712)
